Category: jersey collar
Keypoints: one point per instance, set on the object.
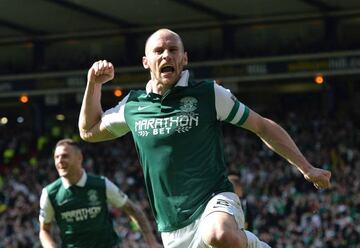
(183, 81)
(80, 183)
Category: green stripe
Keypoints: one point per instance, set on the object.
(244, 117)
(233, 112)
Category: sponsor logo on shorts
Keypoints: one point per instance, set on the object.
(221, 204)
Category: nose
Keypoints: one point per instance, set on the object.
(57, 162)
(166, 54)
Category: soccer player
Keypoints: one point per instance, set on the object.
(175, 123)
(79, 203)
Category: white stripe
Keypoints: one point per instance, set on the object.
(223, 102)
(114, 119)
(115, 197)
(239, 114)
(46, 209)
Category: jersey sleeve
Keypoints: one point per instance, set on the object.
(46, 209)
(115, 197)
(228, 107)
(114, 119)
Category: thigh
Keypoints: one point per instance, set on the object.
(223, 213)
(220, 221)
(181, 238)
(224, 208)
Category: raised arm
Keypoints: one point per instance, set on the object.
(277, 139)
(136, 214)
(90, 126)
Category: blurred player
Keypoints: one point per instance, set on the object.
(79, 203)
(176, 125)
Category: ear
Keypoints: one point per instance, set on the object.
(185, 59)
(145, 62)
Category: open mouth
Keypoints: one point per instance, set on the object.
(167, 68)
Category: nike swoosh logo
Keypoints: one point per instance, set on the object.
(144, 107)
(63, 202)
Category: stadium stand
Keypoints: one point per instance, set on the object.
(267, 52)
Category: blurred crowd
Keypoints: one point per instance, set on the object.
(286, 210)
(282, 207)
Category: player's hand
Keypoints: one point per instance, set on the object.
(319, 177)
(101, 72)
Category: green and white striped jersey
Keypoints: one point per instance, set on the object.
(179, 142)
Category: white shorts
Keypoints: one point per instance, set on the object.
(191, 235)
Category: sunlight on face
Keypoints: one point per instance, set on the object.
(67, 160)
(165, 57)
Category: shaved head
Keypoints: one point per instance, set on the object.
(164, 58)
(161, 32)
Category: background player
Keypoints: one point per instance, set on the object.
(79, 203)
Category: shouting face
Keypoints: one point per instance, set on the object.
(165, 58)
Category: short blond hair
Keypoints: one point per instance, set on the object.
(70, 142)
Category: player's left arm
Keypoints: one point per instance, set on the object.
(278, 140)
(138, 215)
(117, 198)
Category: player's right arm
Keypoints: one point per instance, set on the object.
(91, 127)
(45, 218)
(45, 236)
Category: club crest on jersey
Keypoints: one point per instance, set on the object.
(93, 197)
(188, 104)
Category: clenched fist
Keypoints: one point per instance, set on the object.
(101, 72)
(319, 177)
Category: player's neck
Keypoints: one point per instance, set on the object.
(160, 89)
(75, 178)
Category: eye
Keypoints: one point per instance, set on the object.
(158, 50)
